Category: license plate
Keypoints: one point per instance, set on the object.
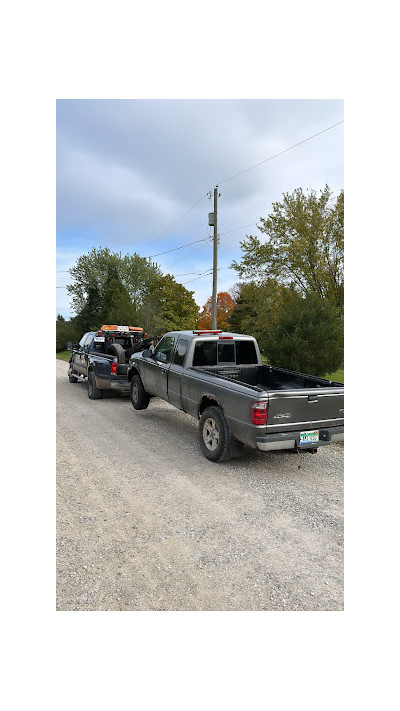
(311, 436)
(99, 339)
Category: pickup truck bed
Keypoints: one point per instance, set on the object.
(267, 377)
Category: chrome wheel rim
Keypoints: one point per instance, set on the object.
(135, 392)
(210, 434)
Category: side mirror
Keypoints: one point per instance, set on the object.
(69, 346)
(147, 353)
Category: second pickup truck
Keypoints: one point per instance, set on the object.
(219, 379)
(101, 358)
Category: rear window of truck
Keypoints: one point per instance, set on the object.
(208, 353)
(246, 353)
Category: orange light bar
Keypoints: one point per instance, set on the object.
(114, 327)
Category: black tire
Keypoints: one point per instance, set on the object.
(116, 350)
(71, 377)
(93, 391)
(139, 398)
(214, 435)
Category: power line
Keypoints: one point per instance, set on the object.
(179, 218)
(199, 277)
(221, 234)
(280, 153)
(203, 239)
(186, 257)
(198, 273)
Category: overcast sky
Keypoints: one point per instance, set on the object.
(129, 170)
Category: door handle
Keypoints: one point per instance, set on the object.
(313, 398)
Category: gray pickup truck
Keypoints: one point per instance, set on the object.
(219, 379)
(101, 359)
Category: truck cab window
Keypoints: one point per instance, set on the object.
(180, 352)
(164, 348)
(89, 342)
(205, 353)
(226, 352)
(246, 353)
(83, 340)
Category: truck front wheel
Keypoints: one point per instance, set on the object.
(214, 435)
(139, 398)
(71, 377)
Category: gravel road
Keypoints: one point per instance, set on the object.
(145, 522)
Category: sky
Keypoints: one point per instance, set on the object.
(135, 175)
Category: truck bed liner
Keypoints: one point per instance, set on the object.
(267, 377)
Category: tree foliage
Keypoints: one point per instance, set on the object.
(257, 307)
(303, 246)
(117, 306)
(92, 274)
(88, 319)
(66, 331)
(307, 336)
(225, 307)
(168, 306)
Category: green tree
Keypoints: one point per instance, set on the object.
(307, 337)
(257, 307)
(92, 271)
(89, 316)
(168, 306)
(117, 306)
(303, 246)
(65, 331)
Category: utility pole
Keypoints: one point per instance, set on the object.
(215, 260)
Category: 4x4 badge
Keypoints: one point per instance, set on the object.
(281, 415)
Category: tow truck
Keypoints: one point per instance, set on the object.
(101, 358)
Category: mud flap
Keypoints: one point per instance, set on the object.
(235, 446)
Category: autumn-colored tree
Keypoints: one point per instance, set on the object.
(225, 307)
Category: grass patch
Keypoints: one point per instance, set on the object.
(338, 375)
(63, 355)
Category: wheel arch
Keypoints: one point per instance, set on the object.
(207, 400)
(131, 372)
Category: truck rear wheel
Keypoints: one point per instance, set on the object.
(214, 435)
(139, 398)
(93, 391)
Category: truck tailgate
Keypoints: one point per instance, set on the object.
(309, 409)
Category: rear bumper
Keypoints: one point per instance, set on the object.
(123, 386)
(120, 385)
(291, 440)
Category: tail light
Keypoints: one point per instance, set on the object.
(258, 413)
(114, 367)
